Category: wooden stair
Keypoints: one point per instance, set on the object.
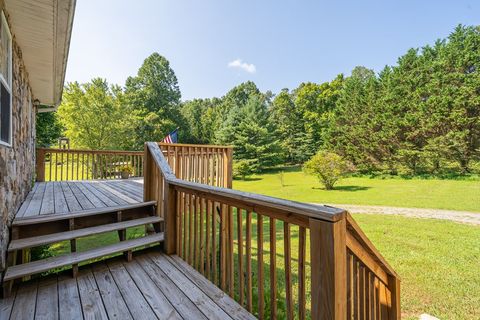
(22, 270)
(28, 233)
(27, 243)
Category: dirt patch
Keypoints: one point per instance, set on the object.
(451, 215)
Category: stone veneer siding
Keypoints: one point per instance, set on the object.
(17, 163)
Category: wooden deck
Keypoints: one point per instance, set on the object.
(152, 286)
(64, 197)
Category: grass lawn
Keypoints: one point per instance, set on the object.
(418, 193)
(438, 262)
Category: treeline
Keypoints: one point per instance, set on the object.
(419, 116)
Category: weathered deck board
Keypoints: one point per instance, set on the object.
(151, 286)
(89, 295)
(47, 299)
(73, 196)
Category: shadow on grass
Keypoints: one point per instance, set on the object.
(345, 188)
(248, 179)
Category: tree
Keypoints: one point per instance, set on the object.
(248, 129)
(153, 98)
(203, 119)
(242, 169)
(48, 129)
(328, 167)
(287, 118)
(91, 115)
(351, 130)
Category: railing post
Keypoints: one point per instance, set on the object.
(40, 165)
(394, 287)
(147, 172)
(170, 207)
(328, 254)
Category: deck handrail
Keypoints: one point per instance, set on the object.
(349, 277)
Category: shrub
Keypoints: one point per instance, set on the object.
(328, 167)
(126, 168)
(242, 169)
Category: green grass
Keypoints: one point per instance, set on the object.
(438, 262)
(417, 193)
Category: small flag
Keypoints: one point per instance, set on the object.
(172, 137)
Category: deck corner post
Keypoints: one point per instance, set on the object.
(40, 165)
(394, 286)
(328, 269)
(169, 211)
(146, 174)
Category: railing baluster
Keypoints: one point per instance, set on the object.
(248, 235)
(231, 281)
(273, 269)
(50, 167)
(207, 239)
(241, 289)
(191, 215)
(260, 278)
(61, 168)
(301, 273)
(196, 241)
(214, 243)
(288, 269)
(202, 242)
(178, 217)
(223, 247)
(185, 226)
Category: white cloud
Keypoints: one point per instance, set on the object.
(247, 67)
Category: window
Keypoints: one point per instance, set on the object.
(5, 83)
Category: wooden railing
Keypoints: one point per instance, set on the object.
(205, 164)
(277, 258)
(68, 164)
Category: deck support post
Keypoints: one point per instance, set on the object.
(40, 165)
(8, 285)
(73, 247)
(328, 269)
(122, 236)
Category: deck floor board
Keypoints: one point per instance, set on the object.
(151, 286)
(73, 196)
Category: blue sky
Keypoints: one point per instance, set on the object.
(215, 45)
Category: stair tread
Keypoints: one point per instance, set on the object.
(68, 235)
(22, 270)
(82, 213)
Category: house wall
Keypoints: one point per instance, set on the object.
(17, 163)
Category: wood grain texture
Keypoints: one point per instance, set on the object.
(328, 265)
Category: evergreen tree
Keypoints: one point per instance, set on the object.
(248, 129)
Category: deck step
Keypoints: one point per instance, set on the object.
(69, 235)
(18, 222)
(39, 266)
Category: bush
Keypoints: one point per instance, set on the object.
(242, 169)
(126, 168)
(328, 167)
